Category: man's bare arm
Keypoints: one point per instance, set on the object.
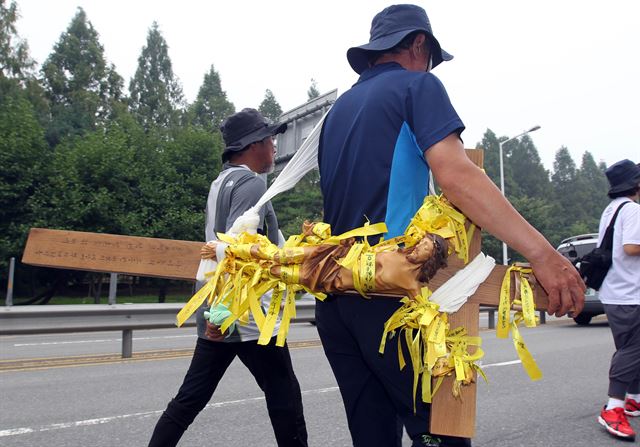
(631, 249)
(469, 189)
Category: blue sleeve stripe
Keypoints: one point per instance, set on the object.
(408, 184)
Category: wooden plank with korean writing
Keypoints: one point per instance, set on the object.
(141, 256)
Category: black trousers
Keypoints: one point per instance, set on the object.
(624, 373)
(377, 396)
(272, 369)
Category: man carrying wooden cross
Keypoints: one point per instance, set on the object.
(378, 144)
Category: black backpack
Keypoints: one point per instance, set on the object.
(595, 264)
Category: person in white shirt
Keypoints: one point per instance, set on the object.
(620, 295)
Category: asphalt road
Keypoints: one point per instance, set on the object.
(74, 390)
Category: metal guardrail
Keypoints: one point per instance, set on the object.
(70, 318)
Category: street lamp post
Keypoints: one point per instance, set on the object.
(533, 129)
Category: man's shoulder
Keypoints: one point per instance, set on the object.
(631, 209)
(237, 175)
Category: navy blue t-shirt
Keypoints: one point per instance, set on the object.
(371, 154)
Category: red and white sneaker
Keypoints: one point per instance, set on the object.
(616, 423)
(631, 407)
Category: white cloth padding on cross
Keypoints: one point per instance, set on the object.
(456, 291)
(209, 265)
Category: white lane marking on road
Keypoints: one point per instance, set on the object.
(106, 420)
(512, 362)
(73, 342)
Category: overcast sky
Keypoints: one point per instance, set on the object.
(572, 67)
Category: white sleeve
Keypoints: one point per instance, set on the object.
(631, 224)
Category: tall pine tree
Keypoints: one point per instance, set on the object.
(24, 155)
(81, 88)
(313, 91)
(568, 211)
(15, 62)
(211, 106)
(592, 189)
(269, 106)
(156, 97)
(525, 166)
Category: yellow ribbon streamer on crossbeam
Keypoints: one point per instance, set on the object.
(291, 255)
(528, 362)
(364, 270)
(526, 300)
(272, 315)
(194, 303)
(322, 230)
(206, 292)
(437, 216)
(526, 315)
(364, 231)
(434, 350)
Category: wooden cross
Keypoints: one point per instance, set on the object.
(141, 256)
(457, 417)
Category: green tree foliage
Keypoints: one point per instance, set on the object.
(269, 107)
(490, 146)
(24, 157)
(80, 86)
(567, 203)
(211, 106)
(313, 91)
(565, 190)
(124, 180)
(97, 181)
(195, 156)
(592, 187)
(303, 202)
(527, 184)
(15, 62)
(17, 68)
(155, 93)
(525, 165)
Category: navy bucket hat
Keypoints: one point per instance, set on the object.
(388, 28)
(246, 127)
(623, 176)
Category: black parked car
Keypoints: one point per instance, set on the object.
(574, 248)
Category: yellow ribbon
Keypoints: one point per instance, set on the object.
(364, 271)
(526, 315)
(272, 315)
(437, 216)
(366, 230)
(207, 291)
(528, 362)
(433, 349)
(291, 255)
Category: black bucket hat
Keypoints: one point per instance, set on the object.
(623, 176)
(388, 28)
(246, 127)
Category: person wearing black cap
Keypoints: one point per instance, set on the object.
(620, 295)
(378, 144)
(249, 151)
